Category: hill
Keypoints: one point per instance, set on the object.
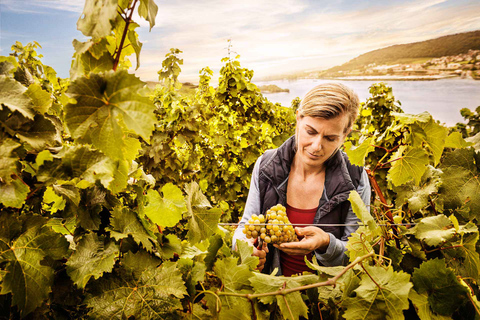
(415, 52)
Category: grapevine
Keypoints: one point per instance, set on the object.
(101, 217)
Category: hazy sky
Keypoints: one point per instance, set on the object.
(272, 37)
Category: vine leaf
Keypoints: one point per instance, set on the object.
(93, 257)
(263, 283)
(152, 296)
(109, 106)
(26, 277)
(357, 154)
(97, 18)
(234, 277)
(433, 230)
(362, 212)
(41, 99)
(13, 97)
(125, 223)
(432, 135)
(148, 10)
(385, 301)
(418, 197)
(139, 262)
(455, 140)
(410, 163)
(445, 293)
(245, 251)
(8, 163)
(461, 185)
(13, 194)
(420, 301)
(463, 256)
(203, 219)
(166, 211)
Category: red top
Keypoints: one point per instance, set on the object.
(292, 264)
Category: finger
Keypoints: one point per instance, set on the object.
(265, 247)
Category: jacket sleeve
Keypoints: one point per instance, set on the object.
(335, 253)
(252, 206)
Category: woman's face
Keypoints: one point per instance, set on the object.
(318, 139)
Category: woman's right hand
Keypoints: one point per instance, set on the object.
(261, 253)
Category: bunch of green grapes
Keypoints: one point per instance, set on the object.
(272, 228)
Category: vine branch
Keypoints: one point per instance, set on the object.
(330, 282)
(124, 35)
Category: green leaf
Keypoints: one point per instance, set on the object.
(138, 262)
(97, 18)
(13, 97)
(38, 133)
(357, 154)
(202, 218)
(156, 295)
(125, 223)
(420, 301)
(90, 165)
(405, 118)
(359, 243)
(170, 244)
(292, 302)
(8, 161)
(432, 135)
(52, 202)
(148, 10)
(91, 64)
(14, 194)
(433, 230)
(166, 211)
(410, 163)
(362, 212)
(245, 252)
(460, 183)
(445, 293)
(43, 156)
(62, 226)
(41, 100)
(93, 257)
(383, 299)
(134, 42)
(26, 277)
(455, 140)
(462, 255)
(108, 106)
(418, 197)
(234, 277)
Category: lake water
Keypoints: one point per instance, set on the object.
(442, 98)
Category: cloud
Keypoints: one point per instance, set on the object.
(294, 35)
(33, 6)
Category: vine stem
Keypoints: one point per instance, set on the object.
(388, 213)
(124, 36)
(330, 282)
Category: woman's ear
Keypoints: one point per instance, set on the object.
(297, 115)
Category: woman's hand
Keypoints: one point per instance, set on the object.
(260, 253)
(313, 238)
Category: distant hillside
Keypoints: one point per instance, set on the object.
(408, 53)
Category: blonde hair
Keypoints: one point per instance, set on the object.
(330, 100)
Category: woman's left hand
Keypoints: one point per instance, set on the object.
(313, 238)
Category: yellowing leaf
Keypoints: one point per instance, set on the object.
(166, 211)
(409, 164)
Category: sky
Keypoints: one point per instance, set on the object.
(271, 36)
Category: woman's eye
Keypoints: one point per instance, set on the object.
(331, 139)
(311, 132)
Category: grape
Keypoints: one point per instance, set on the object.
(272, 227)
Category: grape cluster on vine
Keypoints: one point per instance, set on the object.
(274, 227)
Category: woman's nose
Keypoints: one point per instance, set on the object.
(317, 143)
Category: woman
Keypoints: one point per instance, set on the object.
(312, 179)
